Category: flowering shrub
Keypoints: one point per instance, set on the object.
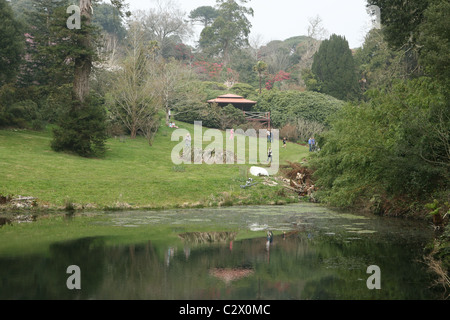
(280, 76)
(209, 70)
(182, 52)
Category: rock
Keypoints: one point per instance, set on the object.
(23, 202)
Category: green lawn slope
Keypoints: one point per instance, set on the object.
(131, 174)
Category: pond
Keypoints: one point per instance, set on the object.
(224, 253)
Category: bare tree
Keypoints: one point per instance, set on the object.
(165, 22)
(256, 42)
(172, 77)
(308, 128)
(316, 33)
(316, 29)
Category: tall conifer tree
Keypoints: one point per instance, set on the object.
(334, 68)
(11, 43)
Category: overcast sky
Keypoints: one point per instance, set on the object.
(281, 19)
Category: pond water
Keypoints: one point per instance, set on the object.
(315, 253)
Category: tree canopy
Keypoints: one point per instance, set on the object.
(229, 31)
(11, 43)
(204, 15)
(335, 69)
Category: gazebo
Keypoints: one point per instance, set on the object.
(237, 101)
(245, 105)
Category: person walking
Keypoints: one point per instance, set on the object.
(269, 136)
(284, 142)
(188, 140)
(310, 144)
(231, 134)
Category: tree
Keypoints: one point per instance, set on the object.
(243, 61)
(85, 39)
(401, 150)
(132, 98)
(109, 18)
(401, 20)
(172, 76)
(82, 128)
(165, 24)
(204, 15)
(11, 43)
(83, 62)
(277, 54)
(260, 68)
(49, 45)
(334, 68)
(229, 31)
(434, 40)
(379, 65)
(316, 34)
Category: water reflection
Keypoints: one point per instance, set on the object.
(314, 258)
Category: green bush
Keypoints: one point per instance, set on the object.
(22, 107)
(82, 130)
(245, 90)
(288, 106)
(391, 146)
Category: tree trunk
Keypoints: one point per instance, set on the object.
(81, 78)
(83, 63)
(133, 132)
(260, 83)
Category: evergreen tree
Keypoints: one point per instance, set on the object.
(48, 45)
(229, 31)
(205, 15)
(11, 43)
(401, 19)
(335, 70)
(435, 41)
(82, 127)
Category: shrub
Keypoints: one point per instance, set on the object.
(392, 146)
(288, 106)
(82, 130)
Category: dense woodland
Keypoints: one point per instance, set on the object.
(380, 113)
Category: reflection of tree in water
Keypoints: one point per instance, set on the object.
(200, 268)
(88, 254)
(44, 277)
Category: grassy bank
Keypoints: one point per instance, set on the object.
(132, 173)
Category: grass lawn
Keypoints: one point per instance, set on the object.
(131, 173)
